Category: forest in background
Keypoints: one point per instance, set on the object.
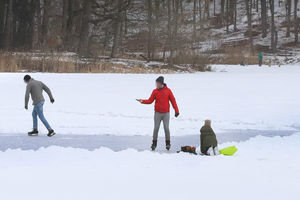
(171, 31)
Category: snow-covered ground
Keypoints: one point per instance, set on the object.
(263, 168)
(91, 109)
(233, 97)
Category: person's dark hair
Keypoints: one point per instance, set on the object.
(160, 79)
(27, 78)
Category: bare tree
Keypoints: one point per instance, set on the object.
(150, 30)
(8, 31)
(296, 26)
(227, 16)
(273, 28)
(207, 7)
(264, 17)
(249, 19)
(170, 39)
(235, 15)
(45, 23)
(288, 6)
(85, 26)
(2, 21)
(222, 9)
(65, 18)
(194, 19)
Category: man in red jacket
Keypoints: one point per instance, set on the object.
(162, 95)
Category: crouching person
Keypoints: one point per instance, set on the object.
(208, 140)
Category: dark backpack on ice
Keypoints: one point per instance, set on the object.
(188, 149)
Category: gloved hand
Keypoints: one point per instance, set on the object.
(176, 114)
(52, 100)
(26, 107)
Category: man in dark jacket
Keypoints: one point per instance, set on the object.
(162, 96)
(260, 58)
(35, 89)
(208, 140)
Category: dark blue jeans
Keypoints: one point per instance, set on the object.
(38, 111)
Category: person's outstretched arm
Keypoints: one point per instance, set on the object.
(150, 100)
(48, 91)
(174, 104)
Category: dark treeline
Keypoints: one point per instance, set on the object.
(156, 28)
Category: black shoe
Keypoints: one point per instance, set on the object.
(168, 144)
(51, 133)
(154, 145)
(34, 132)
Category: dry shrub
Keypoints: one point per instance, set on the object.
(39, 62)
(197, 61)
(8, 63)
(237, 55)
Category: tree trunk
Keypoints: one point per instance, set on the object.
(35, 9)
(176, 11)
(170, 40)
(2, 21)
(227, 16)
(194, 19)
(222, 10)
(207, 9)
(116, 29)
(288, 17)
(45, 24)
(150, 29)
(235, 15)
(8, 30)
(200, 13)
(214, 7)
(296, 20)
(264, 18)
(84, 32)
(65, 18)
(273, 28)
(70, 22)
(249, 19)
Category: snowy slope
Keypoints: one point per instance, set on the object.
(240, 98)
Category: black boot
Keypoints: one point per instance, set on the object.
(154, 145)
(34, 132)
(51, 133)
(168, 144)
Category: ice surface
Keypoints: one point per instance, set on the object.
(235, 98)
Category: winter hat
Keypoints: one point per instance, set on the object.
(160, 79)
(207, 122)
(27, 78)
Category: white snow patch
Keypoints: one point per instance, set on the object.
(263, 168)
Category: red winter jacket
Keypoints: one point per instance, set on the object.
(162, 98)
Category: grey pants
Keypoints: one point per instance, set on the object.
(158, 117)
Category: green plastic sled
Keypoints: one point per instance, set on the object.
(229, 151)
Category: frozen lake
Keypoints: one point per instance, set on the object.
(119, 143)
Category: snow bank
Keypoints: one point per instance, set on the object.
(263, 168)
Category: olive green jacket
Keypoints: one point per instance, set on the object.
(207, 139)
